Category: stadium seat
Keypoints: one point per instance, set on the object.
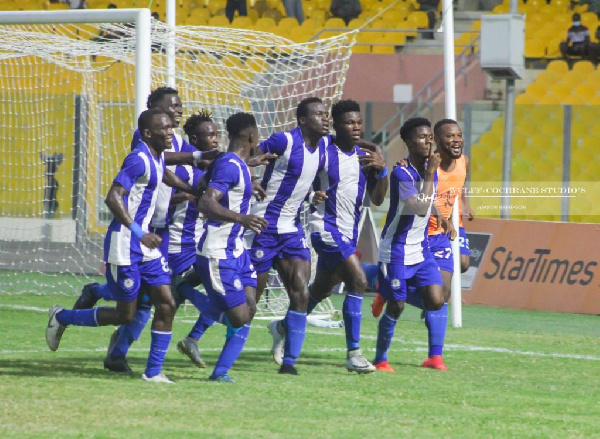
(562, 90)
(526, 99)
(558, 66)
(553, 48)
(241, 23)
(535, 49)
(419, 18)
(264, 24)
(547, 78)
(536, 90)
(551, 99)
(334, 23)
(219, 21)
(585, 67)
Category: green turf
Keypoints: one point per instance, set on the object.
(511, 374)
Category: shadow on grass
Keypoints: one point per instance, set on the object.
(77, 366)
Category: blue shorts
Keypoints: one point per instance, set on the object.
(124, 281)
(463, 241)
(441, 248)
(224, 279)
(266, 248)
(332, 256)
(180, 262)
(394, 279)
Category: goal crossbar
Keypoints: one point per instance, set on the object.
(143, 40)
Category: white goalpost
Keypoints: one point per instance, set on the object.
(71, 86)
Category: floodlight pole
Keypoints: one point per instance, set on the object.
(450, 102)
(141, 18)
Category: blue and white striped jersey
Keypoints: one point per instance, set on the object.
(185, 226)
(161, 219)
(229, 175)
(404, 236)
(141, 174)
(344, 181)
(288, 179)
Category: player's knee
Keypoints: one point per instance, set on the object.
(464, 264)
(394, 309)
(435, 302)
(358, 284)
(124, 317)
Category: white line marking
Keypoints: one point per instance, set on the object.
(334, 332)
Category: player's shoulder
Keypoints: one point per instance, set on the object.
(404, 172)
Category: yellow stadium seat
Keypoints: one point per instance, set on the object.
(558, 66)
(419, 18)
(288, 22)
(396, 38)
(553, 48)
(334, 23)
(589, 19)
(264, 23)
(551, 99)
(535, 49)
(583, 66)
(356, 23)
(547, 78)
(587, 90)
(577, 99)
(562, 5)
(525, 99)
(573, 78)
(241, 23)
(219, 21)
(561, 90)
(215, 5)
(500, 9)
(536, 90)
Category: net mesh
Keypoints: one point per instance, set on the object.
(67, 99)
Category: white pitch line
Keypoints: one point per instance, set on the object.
(335, 332)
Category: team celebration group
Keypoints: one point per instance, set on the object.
(186, 214)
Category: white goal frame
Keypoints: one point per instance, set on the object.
(143, 39)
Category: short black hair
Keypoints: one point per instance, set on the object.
(576, 17)
(302, 109)
(438, 126)
(409, 126)
(145, 119)
(344, 106)
(239, 122)
(194, 121)
(158, 95)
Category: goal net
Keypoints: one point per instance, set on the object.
(67, 103)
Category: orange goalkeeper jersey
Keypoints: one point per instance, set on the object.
(450, 184)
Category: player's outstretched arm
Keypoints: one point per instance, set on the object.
(172, 180)
(114, 201)
(196, 158)
(210, 207)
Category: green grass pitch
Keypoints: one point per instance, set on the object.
(511, 374)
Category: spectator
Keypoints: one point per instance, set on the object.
(235, 5)
(431, 8)
(578, 41)
(293, 8)
(346, 9)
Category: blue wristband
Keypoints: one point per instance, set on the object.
(137, 231)
(382, 173)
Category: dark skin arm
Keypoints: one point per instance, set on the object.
(210, 207)
(419, 204)
(114, 201)
(187, 158)
(172, 180)
(375, 163)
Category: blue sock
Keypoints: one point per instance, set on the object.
(200, 327)
(414, 298)
(103, 291)
(234, 344)
(372, 273)
(295, 324)
(387, 326)
(78, 317)
(436, 322)
(312, 304)
(352, 312)
(130, 332)
(158, 350)
(197, 299)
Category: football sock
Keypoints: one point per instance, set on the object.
(103, 291)
(158, 350)
(78, 317)
(414, 298)
(352, 312)
(130, 332)
(200, 327)
(295, 324)
(436, 322)
(385, 333)
(234, 343)
(312, 304)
